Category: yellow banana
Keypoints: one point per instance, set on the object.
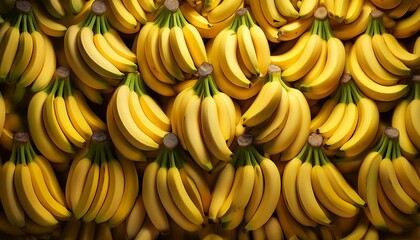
(247, 51)
(47, 25)
(93, 120)
(272, 14)
(8, 46)
(48, 68)
(135, 218)
(294, 29)
(287, 58)
(407, 176)
(398, 121)
(223, 10)
(154, 112)
(271, 32)
(354, 10)
(74, 185)
(181, 51)
(408, 26)
(134, 7)
(115, 41)
(287, 9)
(357, 25)
(412, 113)
(221, 190)
(165, 51)
(307, 8)
(257, 193)
(22, 58)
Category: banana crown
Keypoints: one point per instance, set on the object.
(389, 146)
(22, 150)
(135, 83)
(205, 86)
(376, 23)
(98, 149)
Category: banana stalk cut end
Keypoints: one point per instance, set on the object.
(99, 8)
(376, 13)
(170, 141)
(272, 68)
(62, 72)
(315, 139)
(171, 5)
(99, 136)
(21, 137)
(391, 133)
(245, 140)
(321, 13)
(205, 69)
(241, 11)
(416, 78)
(346, 78)
(23, 6)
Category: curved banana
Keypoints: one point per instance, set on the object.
(294, 29)
(55, 8)
(134, 7)
(287, 58)
(271, 32)
(9, 47)
(46, 24)
(181, 51)
(152, 203)
(270, 196)
(165, 51)
(221, 190)
(393, 188)
(408, 26)
(46, 74)
(247, 50)
(117, 43)
(286, 8)
(408, 149)
(355, 27)
(122, 15)
(412, 113)
(407, 176)
(354, 10)
(115, 191)
(307, 9)
(75, 182)
(272, 14)
(154, 112)
(212, 134)
(22, 58)
(223, 10)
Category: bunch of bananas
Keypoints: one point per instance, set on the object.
(77, 229)
(100, 187)
(240, 55)
(60, 120)
(98, 57)
(204, 119)
(347, 121)
(29, 57)
(241, 194)
(173, 49)
(173, 186)
(379, 63)
(135, 121)
(388, 183)
(404, 120)
(314, 190)
(30, 188)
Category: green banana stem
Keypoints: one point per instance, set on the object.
(370, 26)
(24, 23)
(388, 152)
(344, 95)
(13, 156)
(327, 29)
(384, 146)
(310, 154)
(355, 92)
(416, 90)
(164, 158)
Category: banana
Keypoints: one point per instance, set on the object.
(154, 208)
(316, 70)
(221, 189)
(294, 29)
(181, 51)
(287, 58)
(27, 196)
(326, 82)
(407, 176)
(9, 229)
(195, 44)
(76, 6)
(147, 231)
(408, 26)
(64, 120)
(360, 229)
(46, 198)
(398, 121)
(47, 25)
(212, 134)
(168, 202)
(389, 4)
(87, 230)
(328, 196)
(277, 121)
(286, 8)
(411, 60)
(370, 64)
(23, 56)
(94, 121)
(136, 218)
(223, 10)
(393, 188)
(149, 5)
(127, 125)
(55, 8)
(93, 58)
(44, 77)
(270, 196)
(154, 112)
(371, 88)
(75, 183)
(38, 132)
(226, 116)
(90, 186)
(272, 229)
(116, 42)
(100, 192)
(269, 30)
(289, 131)
(76, 62)
(131, 190)
(122, 15)
(272, 14)
(267, 100)
(194, 17)
(115, 190)
(307, 9)
(13, 209)
(306, 60)
(122, 64)
(325, 111)
(257, 192)
(412, 113)
(52, 125)
(357, 25)
(341, 186)
(135, 8)
(193, 139)
(228, 62)
(367, 183)
(37, 60)
(9, 46)
(307, 196)
(247, 51)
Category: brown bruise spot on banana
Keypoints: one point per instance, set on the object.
(245, 140)
(99, 136)
(170, 141)
(171, 5)
(62, 72)
(205, 69)
(99, 8)
(23, 6)
(321, 13)
(21, 137)
(315, 139)
(391, 133)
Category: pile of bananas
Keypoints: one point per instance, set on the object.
(209, 119)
